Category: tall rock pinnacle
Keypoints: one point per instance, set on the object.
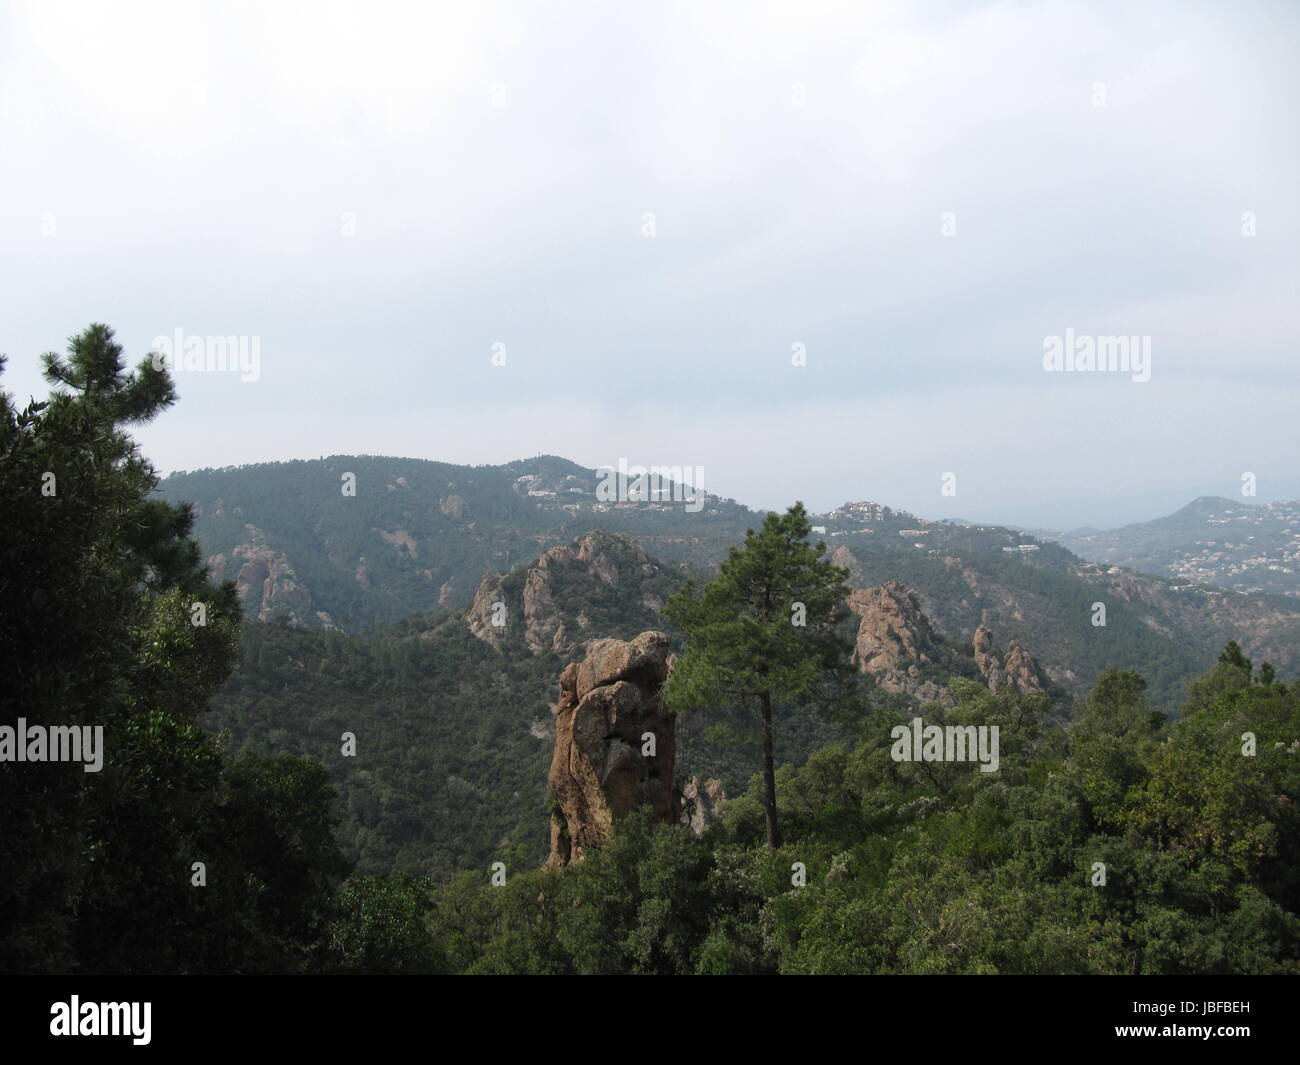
(609, 715)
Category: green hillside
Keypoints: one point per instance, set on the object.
(419, 536)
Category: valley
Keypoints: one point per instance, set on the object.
(433, 613)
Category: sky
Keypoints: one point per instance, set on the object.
(818, 250)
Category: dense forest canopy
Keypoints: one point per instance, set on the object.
(1112, 837)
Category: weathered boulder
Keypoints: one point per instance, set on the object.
(610, 660)
(608, 702)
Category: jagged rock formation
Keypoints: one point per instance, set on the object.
(266, 582)
(986, 658)
(601, 564)
(542, 625)
(488, 624)
(702, 803)
(1018, 668)
(1021, 669)
(608, 702)
(894, 637)
(893, 628)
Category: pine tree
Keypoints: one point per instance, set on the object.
(100, 589)
(766, 632)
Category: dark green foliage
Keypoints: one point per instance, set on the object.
(447, 767)
(463, 521)
(768, 631)
(381, 927)
(911, 867)
(100, 588)
(938, 868)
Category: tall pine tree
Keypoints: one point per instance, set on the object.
(767, 631)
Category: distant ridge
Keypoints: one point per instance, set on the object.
(418, 536)
(1236, 544)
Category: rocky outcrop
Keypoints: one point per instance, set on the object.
(1021, 669)
(216, 568)
(1017, 668)
(894, 638)
(893, 630)
(486, 620)
(602, 567)
(702, 803)
(987, 660)
(400, 539)
(265, 582)
(608, 703)
(542, 626)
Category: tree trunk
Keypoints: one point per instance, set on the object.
(769, 776)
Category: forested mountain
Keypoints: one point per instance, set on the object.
(420, 535)
(451, 714)
(415, 535)
(340, 805)
(1052, 602)
(1247, 547)
(450, 703)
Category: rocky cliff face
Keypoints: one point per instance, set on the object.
(986, 658)
(1018, 668)
(608, 704)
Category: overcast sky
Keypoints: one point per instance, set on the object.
(382, 193)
